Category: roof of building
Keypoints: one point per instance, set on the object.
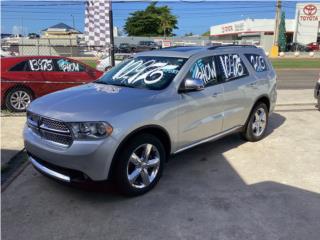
(61, 26)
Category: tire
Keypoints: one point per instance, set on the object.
(18, 98)
(256, 127)
(143, 177)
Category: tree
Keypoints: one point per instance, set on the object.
(206, 34)
(188, 34)
(153, 21)
(282, 33)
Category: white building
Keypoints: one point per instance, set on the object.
(304, 29)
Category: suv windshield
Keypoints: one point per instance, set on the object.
(147, 72)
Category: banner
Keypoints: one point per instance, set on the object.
(97, 23)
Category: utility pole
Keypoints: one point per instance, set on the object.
(275, 46)
(111, 36)
(73, 22)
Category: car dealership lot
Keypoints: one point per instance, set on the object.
(229, 189)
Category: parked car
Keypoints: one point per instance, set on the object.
(126, 124)
(314, 46)
(146, 46)
(104, 64)
(125, 48)
(317, 93)
(33, 36)
(294, 47)
(4, 53)
(26, 78)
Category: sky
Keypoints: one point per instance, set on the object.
(193, 16)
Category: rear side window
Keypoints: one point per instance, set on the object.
(41, 65)
(257, 62)
(21, 67)
(231, 67)
(66, 65)
(205, 69)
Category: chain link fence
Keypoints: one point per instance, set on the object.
(71, 48)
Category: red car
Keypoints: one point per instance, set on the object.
(26, 78)
(315, 46)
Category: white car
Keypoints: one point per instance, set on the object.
(104, 64)
(5, 53)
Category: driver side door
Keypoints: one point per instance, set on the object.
(201, 113)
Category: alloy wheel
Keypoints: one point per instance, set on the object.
(259, 122)
(143, 165)
(20, 100)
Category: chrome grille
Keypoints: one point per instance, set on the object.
(49, 129)
(54, 125)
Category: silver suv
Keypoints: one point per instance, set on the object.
(125, 125)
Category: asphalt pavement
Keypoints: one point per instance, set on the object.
(297, 78)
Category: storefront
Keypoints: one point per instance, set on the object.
(304, 29)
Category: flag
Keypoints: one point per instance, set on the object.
(97, 23)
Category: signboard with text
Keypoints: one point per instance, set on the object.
(307, 22)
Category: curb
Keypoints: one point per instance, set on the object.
(16, 171)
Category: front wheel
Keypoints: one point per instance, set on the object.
(257, 123)
(139, 165)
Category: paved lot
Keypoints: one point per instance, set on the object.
(229, 189)
(11, 136)
(297, 78)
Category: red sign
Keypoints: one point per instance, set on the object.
(310, 10)
(226, 29)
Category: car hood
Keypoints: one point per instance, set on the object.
(92, 102)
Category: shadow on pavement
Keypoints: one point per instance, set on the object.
(200, 196)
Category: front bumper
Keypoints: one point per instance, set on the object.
(91, 158)
(50, 172)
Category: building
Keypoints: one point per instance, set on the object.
(304, 29)
(60, 30)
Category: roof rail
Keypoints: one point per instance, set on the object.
(231, 45)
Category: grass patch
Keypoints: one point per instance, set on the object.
(91, 63)
(295, 63)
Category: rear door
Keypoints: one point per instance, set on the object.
(201, 114)
(67, 73)
(236, 80)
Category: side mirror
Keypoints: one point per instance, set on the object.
(193, 84)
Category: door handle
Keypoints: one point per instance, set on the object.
(253, 85)
(216, 94)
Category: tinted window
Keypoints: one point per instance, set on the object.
(66, 65)
(41, 65)
(231, 66)
(205, 69)
(257, 62)
(147, 72)
(21, 67)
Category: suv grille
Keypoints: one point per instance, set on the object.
(52, 130)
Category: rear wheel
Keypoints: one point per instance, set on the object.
(139, 165)
(18, 99)
(257, 123)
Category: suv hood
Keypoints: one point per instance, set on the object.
(92, 102)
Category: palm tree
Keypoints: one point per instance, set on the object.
(167, 21)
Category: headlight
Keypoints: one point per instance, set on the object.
(91, 130)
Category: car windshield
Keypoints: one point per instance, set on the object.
(147, 72)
